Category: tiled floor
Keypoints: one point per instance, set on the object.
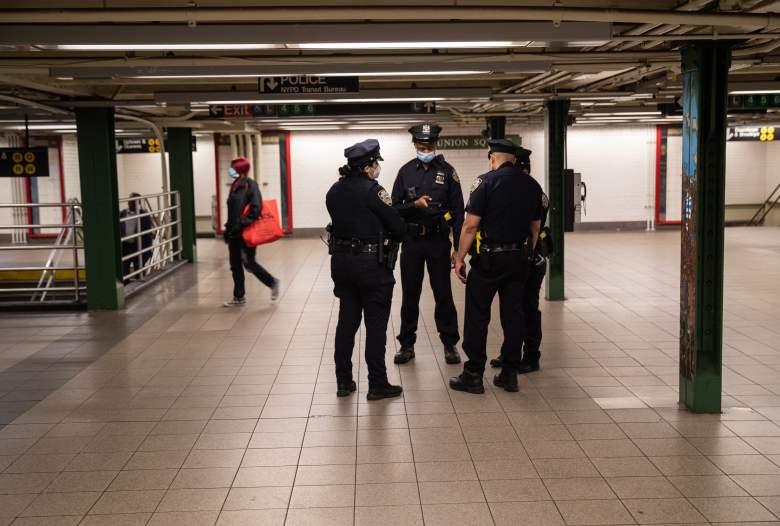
(198, 415)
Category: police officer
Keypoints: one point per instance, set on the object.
(428, 195)
(363, 225)
(532, 338)
(503, 217)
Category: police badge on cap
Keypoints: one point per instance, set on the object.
(426, 133)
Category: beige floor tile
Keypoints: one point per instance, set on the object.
(12, 505)
(543, 513)
(732, 509)
(387, 494)
(385, 473)
(553, 449)
(203, 478)
(565, 468)
(673, 466)
(69, 481)
(451, 492)
(250, 477)
(127, 519)
(193, 500)
(212, 458)
(184, 518)
(333, 496)
(759, 485)
(119, 502)
(772, 504)
(663, 511)
(520, 490)
(643, 487)
(317, 456)
(30, 463)
(49, 504)
(609, 448)
(143, 479)
(448, 514)
(505, 470)
(156, 460)
(320, 517)
(745, 465)
(708, 486)
(625, 467)
(445, 471)
(578, 488)
(21, 483)
(410, 515)
(325, 475)
(65, 520)
(382, 454)
(593, 512)
(271, 517)
(257, 498)
(271, 457)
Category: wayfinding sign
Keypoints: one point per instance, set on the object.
(751, 133)
(251, 111)
(468, 142)
(307, 85)
(24, 162)
(143, 145)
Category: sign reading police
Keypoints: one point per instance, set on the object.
(24, 162)
(308, 85)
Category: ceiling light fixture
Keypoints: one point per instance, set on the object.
(164, 47)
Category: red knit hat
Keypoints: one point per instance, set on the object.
(241, 165)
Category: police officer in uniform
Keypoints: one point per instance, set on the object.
(503, 217)
(364, 234)
(532, 338)
(427, 193)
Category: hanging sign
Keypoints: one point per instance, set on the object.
(751, 133)
(468, 142)
(24, 162)
(308, 85)
(143, 145)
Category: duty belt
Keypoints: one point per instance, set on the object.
(424, 231)
(497, 248)
(354, 246)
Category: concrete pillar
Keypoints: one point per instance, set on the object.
(556, 117)
(705, 68)
(100, 206)
(180, 159)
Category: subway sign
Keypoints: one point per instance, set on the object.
(143, 145)
(24, 162)
(754, 101)
(752, 133)
(468, 142)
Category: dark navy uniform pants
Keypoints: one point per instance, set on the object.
(243, 257)
(434, 253)
(504, 274)
(532, 316)
(364, 289)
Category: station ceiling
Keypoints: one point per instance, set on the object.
(165, 61)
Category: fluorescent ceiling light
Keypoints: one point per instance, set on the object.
(407, 45)
(162, 47)
(394, 99)
(755, 92)
(309, 128)
(344, 74)
(44, 127)
(622, 113)
(266, 101)
(375, 127)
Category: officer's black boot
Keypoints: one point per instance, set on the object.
(379, 392)
(507, 380)
(346, 388)
(404, 354)
(530, 361)
(497, 363)
(468, 381)
(451, 356)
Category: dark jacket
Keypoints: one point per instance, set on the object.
(145, 223)
(244, 191)
(361, 209)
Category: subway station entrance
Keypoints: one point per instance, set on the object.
(128, 394)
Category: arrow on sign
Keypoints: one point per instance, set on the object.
(429, 107)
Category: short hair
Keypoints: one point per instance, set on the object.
(241, 165)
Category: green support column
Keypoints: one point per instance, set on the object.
(705, 70)
(556, 118)
(100, 207)
(180, 162)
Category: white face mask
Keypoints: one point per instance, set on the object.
(375, 173)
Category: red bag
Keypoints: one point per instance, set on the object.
(264, 229)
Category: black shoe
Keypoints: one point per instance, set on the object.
(404, 354)
(468, 381)
(497, 363)
(384, 391)
(346, 388)
(527, 367)
(451, 356)
(507, 380)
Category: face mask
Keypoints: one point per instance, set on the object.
(426, 157)
(377, 170)
(232, 173)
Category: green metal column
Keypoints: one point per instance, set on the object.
(100, 207)
(180, 162)
(496, 127)
(705, 70)
(556, 118)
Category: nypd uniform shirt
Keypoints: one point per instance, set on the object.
(507, 201)
(437, 180)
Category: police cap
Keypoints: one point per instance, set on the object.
(523, 156)
(361, 153)
(426, 133)
(504, 146)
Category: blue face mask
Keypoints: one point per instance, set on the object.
(232, 173)
(426, 157)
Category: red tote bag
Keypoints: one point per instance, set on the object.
(266, 228)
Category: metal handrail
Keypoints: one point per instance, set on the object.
(766, 207)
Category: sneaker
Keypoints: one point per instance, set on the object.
(275, 290)
(235, 302)
(404, 354)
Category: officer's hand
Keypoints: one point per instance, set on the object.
(460, 269)
(422, 202)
